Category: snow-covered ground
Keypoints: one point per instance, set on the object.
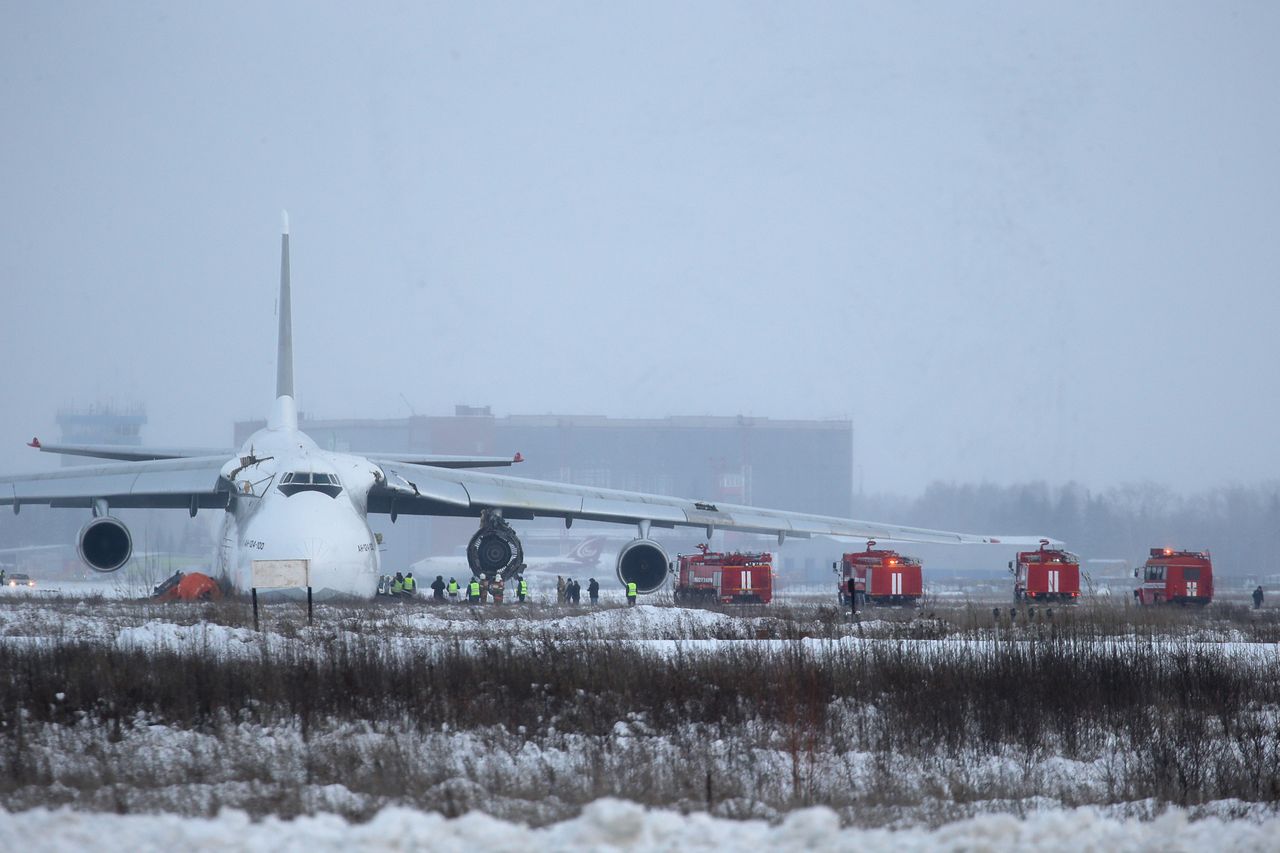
(547, 774)
(91, 617)
(609, 825)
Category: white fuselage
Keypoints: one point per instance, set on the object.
(294, 501)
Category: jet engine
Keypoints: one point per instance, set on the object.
(495, 549)
(644, 563)
(104, 544)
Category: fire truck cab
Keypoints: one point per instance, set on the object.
(1049, 574)
(1175, 577)
(879, 577)
(712, 578)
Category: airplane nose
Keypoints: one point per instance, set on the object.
(342, 560)
(316, 550)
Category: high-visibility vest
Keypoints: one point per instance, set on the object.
(453, 587)
(631, 589)
(410, 584)
(524, 588)
(473, 589)
(397, 586)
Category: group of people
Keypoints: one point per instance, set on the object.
(480, 590)
(439, 588)
(570, 591)
(402, 585)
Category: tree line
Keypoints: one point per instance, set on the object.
(1240, 525)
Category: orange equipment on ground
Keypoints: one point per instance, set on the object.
(712, 578)
(188, 587)
(1176, 577)
(879, 577)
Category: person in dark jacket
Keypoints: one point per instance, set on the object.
(1257, 598)
(593, 590)
(437, 588)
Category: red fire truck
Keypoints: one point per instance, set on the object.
(1049, 574)
(1176, 577)
(711, 578)
(879, 577)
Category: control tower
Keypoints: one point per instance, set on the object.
(101, 423)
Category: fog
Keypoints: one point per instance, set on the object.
(1011, 241)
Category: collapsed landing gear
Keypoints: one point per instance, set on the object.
(495, 549)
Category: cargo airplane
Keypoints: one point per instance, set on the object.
(284, 498)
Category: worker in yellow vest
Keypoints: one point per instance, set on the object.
(473, 591)
(631, 593)
(453, 589)
(522, 589)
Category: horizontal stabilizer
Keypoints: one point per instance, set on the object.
(436, 460)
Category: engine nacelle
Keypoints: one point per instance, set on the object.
(494, 549)
(644, 563)
(104, 544)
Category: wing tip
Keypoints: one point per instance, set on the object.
(34, 442)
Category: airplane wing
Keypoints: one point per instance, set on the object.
(128, 454)
(409, 489)
(193, 483)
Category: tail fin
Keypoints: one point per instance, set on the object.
(284, 342)
(588, 550)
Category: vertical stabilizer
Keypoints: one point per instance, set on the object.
(284, 341)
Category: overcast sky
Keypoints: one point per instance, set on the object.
(1011, 241)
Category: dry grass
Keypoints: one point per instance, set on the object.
(1177, 721)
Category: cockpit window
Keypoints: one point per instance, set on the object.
(306, 481)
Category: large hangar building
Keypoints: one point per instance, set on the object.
(802, 465)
